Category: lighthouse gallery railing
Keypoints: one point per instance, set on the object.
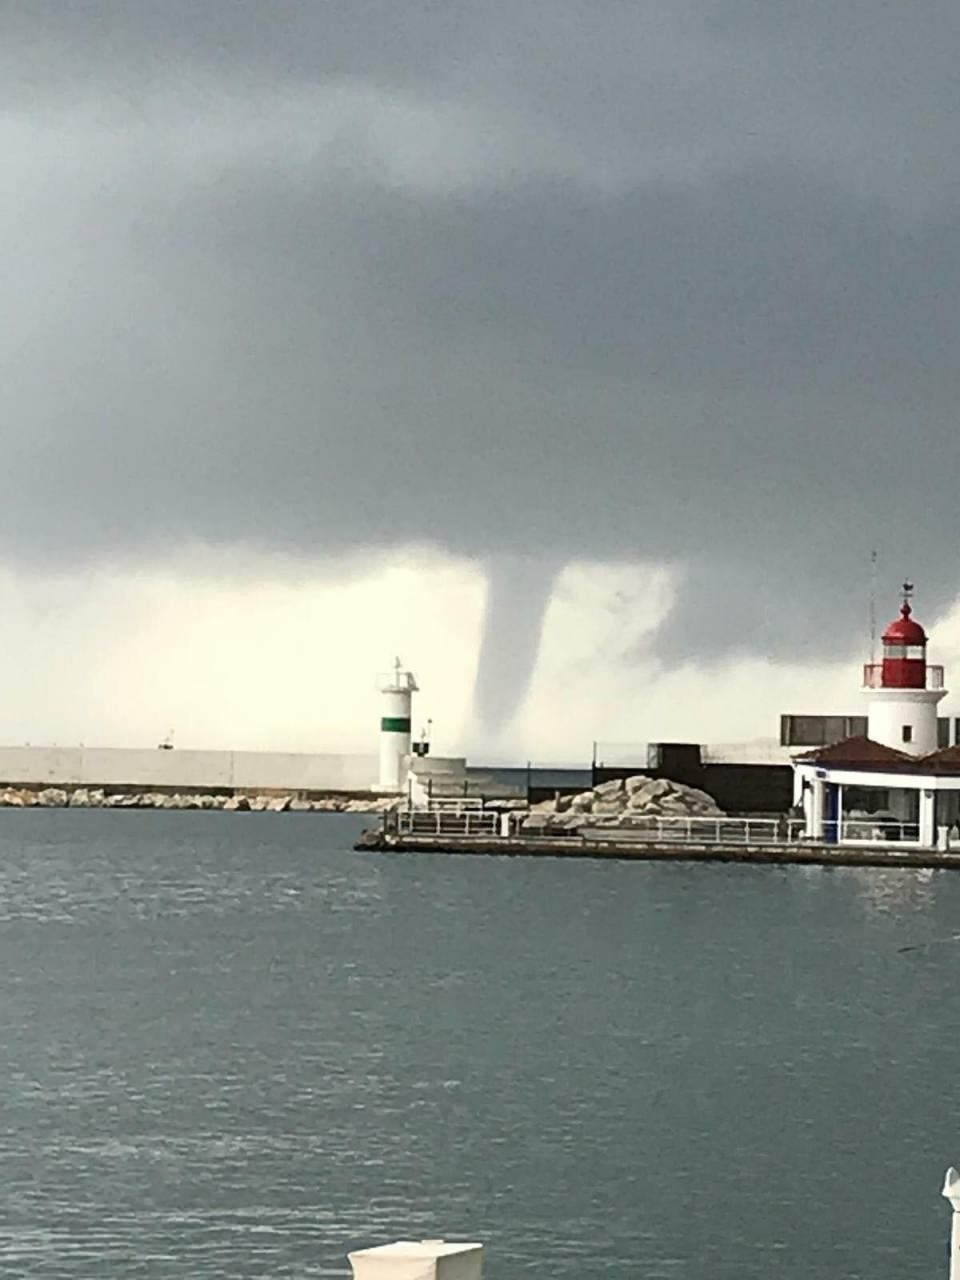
(873, 676)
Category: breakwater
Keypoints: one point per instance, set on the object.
(185, 770)
(271, 802)
(611, 848)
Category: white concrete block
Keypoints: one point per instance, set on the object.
(419, 1260)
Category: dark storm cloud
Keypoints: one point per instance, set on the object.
(675, 281)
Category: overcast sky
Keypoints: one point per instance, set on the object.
(660, 287)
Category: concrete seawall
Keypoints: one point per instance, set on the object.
(793, 854)
(185, 770)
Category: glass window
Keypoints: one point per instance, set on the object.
(906, 733)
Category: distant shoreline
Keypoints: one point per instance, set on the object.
(273, 801)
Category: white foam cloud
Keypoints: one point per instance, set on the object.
(597, 679)
(278, 653)
(278, 657)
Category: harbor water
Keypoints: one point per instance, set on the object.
(234, 1048)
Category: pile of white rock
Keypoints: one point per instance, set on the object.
(623, 802)
(97, 798)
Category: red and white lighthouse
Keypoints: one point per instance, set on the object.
(902, 690)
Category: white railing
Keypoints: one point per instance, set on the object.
(873, 676)
(870, 831)
(453, 819)
(621, 755)
(694, 830)
(467, 819)
(439, 821)
(756, 751)
(454, 804)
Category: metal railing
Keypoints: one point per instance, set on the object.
(758, 751)
(873, 676)
(621, 755)
(443, 821)
(696, 830)
(456, 804)
(467, 819)
(870, 831)
(452, 819)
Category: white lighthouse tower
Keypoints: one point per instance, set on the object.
(396, 692)
(902, 691)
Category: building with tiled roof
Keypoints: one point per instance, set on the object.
(892, 784)
(860, 752)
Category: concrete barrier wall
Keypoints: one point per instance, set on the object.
(103, 766)
(193, 770)
(53, 765)
(303, 772)
(737, 788)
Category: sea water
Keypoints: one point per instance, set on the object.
(232, 1047)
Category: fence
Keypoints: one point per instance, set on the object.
(870, 831)
(873, 676)
(622, 755)
(693, 830)
(461, 821)
(467, 818)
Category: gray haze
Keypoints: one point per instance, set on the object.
(675, 281)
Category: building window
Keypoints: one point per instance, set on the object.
(906, 733)
(819, 731)
(867, 800)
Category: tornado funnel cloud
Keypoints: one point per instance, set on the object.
(518, 593)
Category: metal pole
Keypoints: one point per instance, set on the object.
(873, 607)
(951, 1191)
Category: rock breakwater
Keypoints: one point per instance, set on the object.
(98, 798)
(623, 802)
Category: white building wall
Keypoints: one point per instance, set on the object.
(395, 705)
(888, 710)
(194, 770)
(438, 777)
(898, 785)
(927, 817)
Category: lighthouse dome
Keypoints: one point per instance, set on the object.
(905, 630)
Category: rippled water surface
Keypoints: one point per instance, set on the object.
(233, 1048)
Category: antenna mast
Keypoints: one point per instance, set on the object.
(873, 607)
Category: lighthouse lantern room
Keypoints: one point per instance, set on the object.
(902, 690)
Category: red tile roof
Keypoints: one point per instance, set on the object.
(864, 753)
(859, 752)
(945, 761)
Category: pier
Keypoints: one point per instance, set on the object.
(482, 832)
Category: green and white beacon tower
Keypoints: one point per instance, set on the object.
(397, 688)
